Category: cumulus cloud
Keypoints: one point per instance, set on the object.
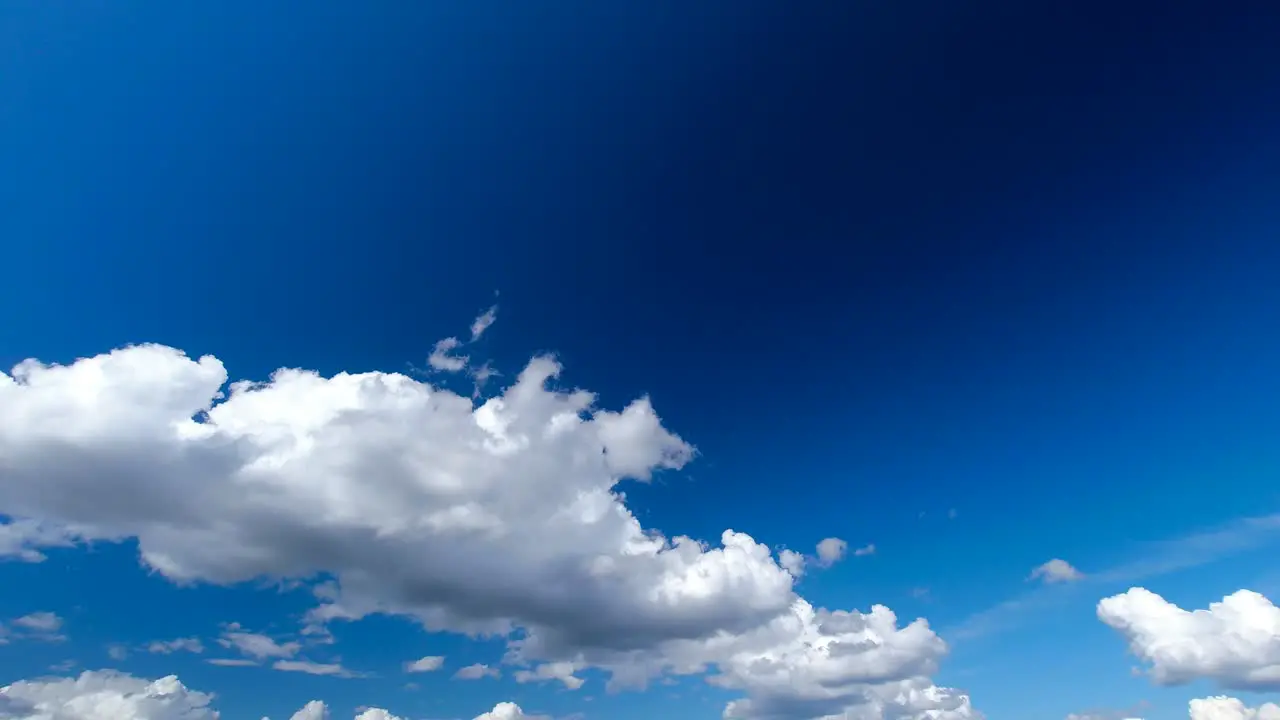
(477, 671)
(104, 695)
(112, 695)
(480, 518)
(1235, 642)
(1229, 708)
(430, 663)
(1056, 571)
(831, 551)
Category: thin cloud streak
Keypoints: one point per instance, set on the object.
(1158, 558)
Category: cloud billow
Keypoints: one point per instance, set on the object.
(476, 518)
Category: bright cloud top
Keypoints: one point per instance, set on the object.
(1235, 642)
(1229, 708)
(477, 517)
(109, 695)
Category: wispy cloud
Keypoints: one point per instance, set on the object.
(315, 668)
(1153, 560)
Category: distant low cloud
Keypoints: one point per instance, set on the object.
(430, 663)
(476, 672)
(831, 551)
(1056, 571)
(168, 647)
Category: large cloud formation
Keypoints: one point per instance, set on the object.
(1235, 642)
(110, 695)
(476, 517)
(1229, 708)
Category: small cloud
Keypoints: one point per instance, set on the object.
(1056, 571)
(868, 549)
(45, 622)
(64, 666)
(117, 652)
(482, 322)
(314, 668)
(920, 593)
(792, 562)
(831, 551)
(256, 645)
(231, 662)
(443, 359)
(560, 671)
(430, 663)
(168, 647)
(476, 672)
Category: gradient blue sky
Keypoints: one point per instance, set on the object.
(981, 284)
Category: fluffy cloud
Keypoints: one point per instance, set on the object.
(104, 695)
(111, 695)
(430, 663)
(1056, 571)
(1229, 708)
(168, 647)
(509, 711)
(1235, 642)
(472, 517)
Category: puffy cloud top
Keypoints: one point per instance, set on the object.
(478, 517)
(1235, 642)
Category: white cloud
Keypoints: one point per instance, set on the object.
(443, 357)
(559, 671)
(868, 549)
(1229, 708)
(19, 539)
(1056, 571)
(314, 668)
(831, 551)
(509, 711)
(477, 519)
(168, 647)
(314, 710)
(232, 662)
(42, 622)
(431, 663)
(104, 695)
(1235, 642)
(112, 695)
(477, 671)
(482, 322)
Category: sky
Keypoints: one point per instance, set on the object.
(609, 361)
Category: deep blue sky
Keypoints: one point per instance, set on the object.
(873, 259)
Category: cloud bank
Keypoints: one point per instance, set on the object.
(393, 496)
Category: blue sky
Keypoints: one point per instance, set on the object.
(979, 287)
